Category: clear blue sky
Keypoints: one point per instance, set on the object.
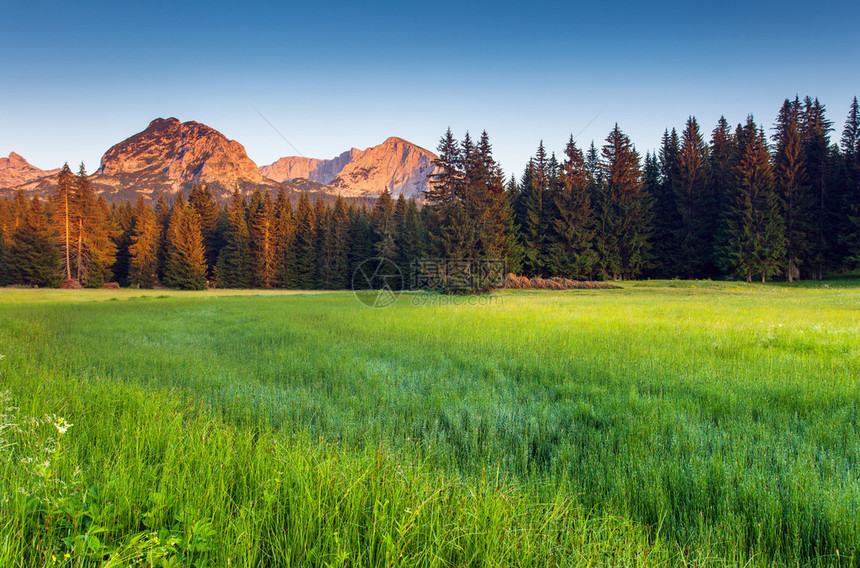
(78, 77)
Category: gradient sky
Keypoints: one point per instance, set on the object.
(78, 77)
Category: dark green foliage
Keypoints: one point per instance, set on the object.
(755, 229)
(5, 272)
(624, 211)
(667, 218)
(797, 201)
(34, 256)
(695, 205)
(305, 244)
(263, 239)
(335, 248)
(186, 259)
(144, 246)
(572, 253)
(208, 210)
(234, 268)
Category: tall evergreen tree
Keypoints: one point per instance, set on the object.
(797, 202)
(694, 203)
(207, 208)
(186, 255)
(756, 243)
(65, 203)
(722, 159)
(335, 248)
(262, 227)
(816, 149)
(667, 219)
(285, 227)
(572, 254)
(850, 145)
(94, 249)
(305, 244)
(143, 250)
(625, 210)
(384, 227)
(234, 268)
(5, 270)
(34, 256)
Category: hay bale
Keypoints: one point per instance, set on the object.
(111, 286)
(70, 284)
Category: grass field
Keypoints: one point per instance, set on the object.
(669, 423)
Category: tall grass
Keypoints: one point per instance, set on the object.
(660, 424)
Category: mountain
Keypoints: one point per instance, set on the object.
(16, 171)
(170, 155)
(396, 163)
(319, 171)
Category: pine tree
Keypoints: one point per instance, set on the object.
(694, 203)
(625, 210)
(262, 227)
(535, 212)
(5, 270)
(122, 220)
(203, 202)
(186, 255)
(756, 244)
(850, 145)
(572, 254)
(143, 250)
(336, 247)
(63, 196)
(285, 228)
(234, 268)
(797, 202)
(94, 250)
(383, 226)
(34, 256)
(721, 165)
(667, 218)
(305, 244)
(162, 219)
(816, 148)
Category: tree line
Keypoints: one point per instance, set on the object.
(742, 204)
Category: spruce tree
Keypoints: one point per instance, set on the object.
(850, 145)
(143, 250)
(667, 218)
(186, 255)
(572, 254)
(816, 149)
(234, 268)
(797, 202)
(64, 199)
(694, 204)
(203, 202)
(756, 244)
(305, 244)
(384, 227)
(34, 255)
(93, 250)
(285, 227)
(262, 227)
(335, 258)
(722, 160)
(5, 271)
(626, 209)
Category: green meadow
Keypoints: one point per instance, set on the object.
(664, 423)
